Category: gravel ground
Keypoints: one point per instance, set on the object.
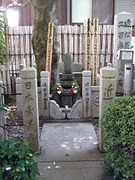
(15, 125)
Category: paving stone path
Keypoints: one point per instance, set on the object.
(69, 151)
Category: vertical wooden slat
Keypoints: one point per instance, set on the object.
(22, 46)
(112, 45)
(27, 49)
(30, 42)
(70, 32)
(60, 45)
(7, 70)
(80, 44)
(76, 44)
(13, 45)
(32, 53)
(103, 47)
(108, 53)
(16, 47)
(84, 48)
(99, 44)
(19, 46)
(65, 39)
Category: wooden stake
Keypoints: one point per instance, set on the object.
(89, 23)
(95, 63)
(48, 66)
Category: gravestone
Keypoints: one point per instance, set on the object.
(123, 30)
(68, 64)
(123, 41)
(67, 77)
(67, 98)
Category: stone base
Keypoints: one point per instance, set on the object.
(76, 111)
(67, 98)
(55, 111)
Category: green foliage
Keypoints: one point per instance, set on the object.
(3, 108)
(75, 87)
(2, 39)
(16, 161)
(57, 88)
(119, 137)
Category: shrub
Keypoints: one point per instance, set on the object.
(119, 137)
(16, 161)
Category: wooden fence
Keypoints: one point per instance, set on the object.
(73, 40)
(19, 51)
(19, 42)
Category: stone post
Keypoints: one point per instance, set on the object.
(128, 79)
(19, 97)
(30, 107)
(86, 93)
(123, 30)
(2, 120)
(122, 40)
(106, 95)
(45, 90)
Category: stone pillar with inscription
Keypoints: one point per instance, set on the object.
(122, 40)
(19, 97)
(45, 90)
(106, 95)
(123, 30)
(86, 93)
(30, 107)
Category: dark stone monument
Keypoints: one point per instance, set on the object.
(67, 98)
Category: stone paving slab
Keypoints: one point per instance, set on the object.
(69, 151)
(90, 170)
(69, 142)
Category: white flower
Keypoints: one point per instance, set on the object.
(8, 168)
(59, 92)
(75, 91)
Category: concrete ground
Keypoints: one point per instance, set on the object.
(69, 151)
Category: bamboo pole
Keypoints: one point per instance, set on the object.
(95, 64)
(89, 23)
(48, 66)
